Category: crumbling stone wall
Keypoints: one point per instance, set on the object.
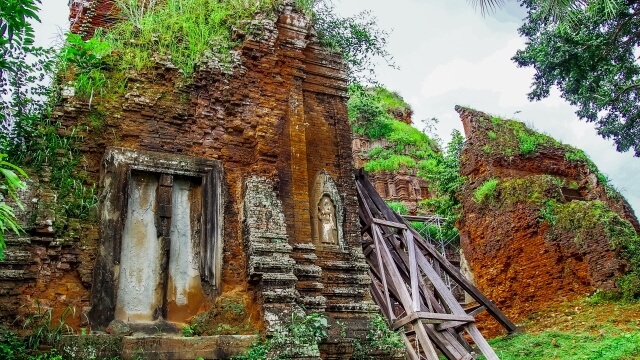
(279, 114)
(519, 256)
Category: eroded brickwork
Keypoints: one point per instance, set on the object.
(517, 258)
(402, 186)
(278, 114)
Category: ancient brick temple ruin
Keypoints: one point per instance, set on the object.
(397, 186)
(234, 189)
(521, 259)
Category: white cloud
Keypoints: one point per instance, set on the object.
(496, 72)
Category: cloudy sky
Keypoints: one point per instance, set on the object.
(449, 54)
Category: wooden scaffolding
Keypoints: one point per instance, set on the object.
(407, 287)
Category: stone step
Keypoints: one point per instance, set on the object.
(347, 279)
(161, 347)
(343, 265)
(279, 280)
(279, 295)
(307, 271)
(345, 291)
(269, 248)
(352, 307)
(271, 264)
(309, 286)
(313, 302)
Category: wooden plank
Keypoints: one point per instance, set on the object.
(390, 223)
(396, 262)
(450, 324)
(383, 276)
(398, 283)
(466, 285)
(411, 353)
(446, 343)
(475, 312)
(413, 271)
(453, 272)
(480, 341)
(424, 341)
(430, 318)
(440, 286)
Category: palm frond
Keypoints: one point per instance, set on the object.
(487, 6)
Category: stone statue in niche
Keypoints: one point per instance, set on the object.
(327, 221)
(326, 213)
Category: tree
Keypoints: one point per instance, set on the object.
(587, 49)
(590, 56)
(16, 43)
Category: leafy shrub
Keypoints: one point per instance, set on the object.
(43, 329)
(301, 335)
(486, 191)
(398, 207)
(11, 347)
(629, 286)
(379, 338)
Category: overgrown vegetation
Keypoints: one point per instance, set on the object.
(191, 33)
(510, 137)
(513, 138)
(443, 173)
(581, 329)
(228, 316)
(486, 191)
(298, 337)
(380, 338)
(373, 112)
(43, 330)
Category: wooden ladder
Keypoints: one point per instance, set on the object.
(407, 287)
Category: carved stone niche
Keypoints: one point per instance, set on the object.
(161, 249)
(327, 213)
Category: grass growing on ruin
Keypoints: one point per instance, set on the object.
(588, 328)
(510, 137)
(486, 191)
(373, 112)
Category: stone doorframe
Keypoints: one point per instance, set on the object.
(117, 165)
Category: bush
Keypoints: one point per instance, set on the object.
(300, 336)
(379, 338)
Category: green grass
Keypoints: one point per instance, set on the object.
(608, 345)
(391, 101)
(398, 207)
(391, 162)
(486, 191)
(371, 113)
(185, 31)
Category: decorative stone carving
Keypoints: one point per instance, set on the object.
(327, 218)
(327, 212)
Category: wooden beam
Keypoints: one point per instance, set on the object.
(411, 352)
(451, 270)
(413, 271)
(390, 223)
(430, 318)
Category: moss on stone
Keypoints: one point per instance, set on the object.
(583, 218)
